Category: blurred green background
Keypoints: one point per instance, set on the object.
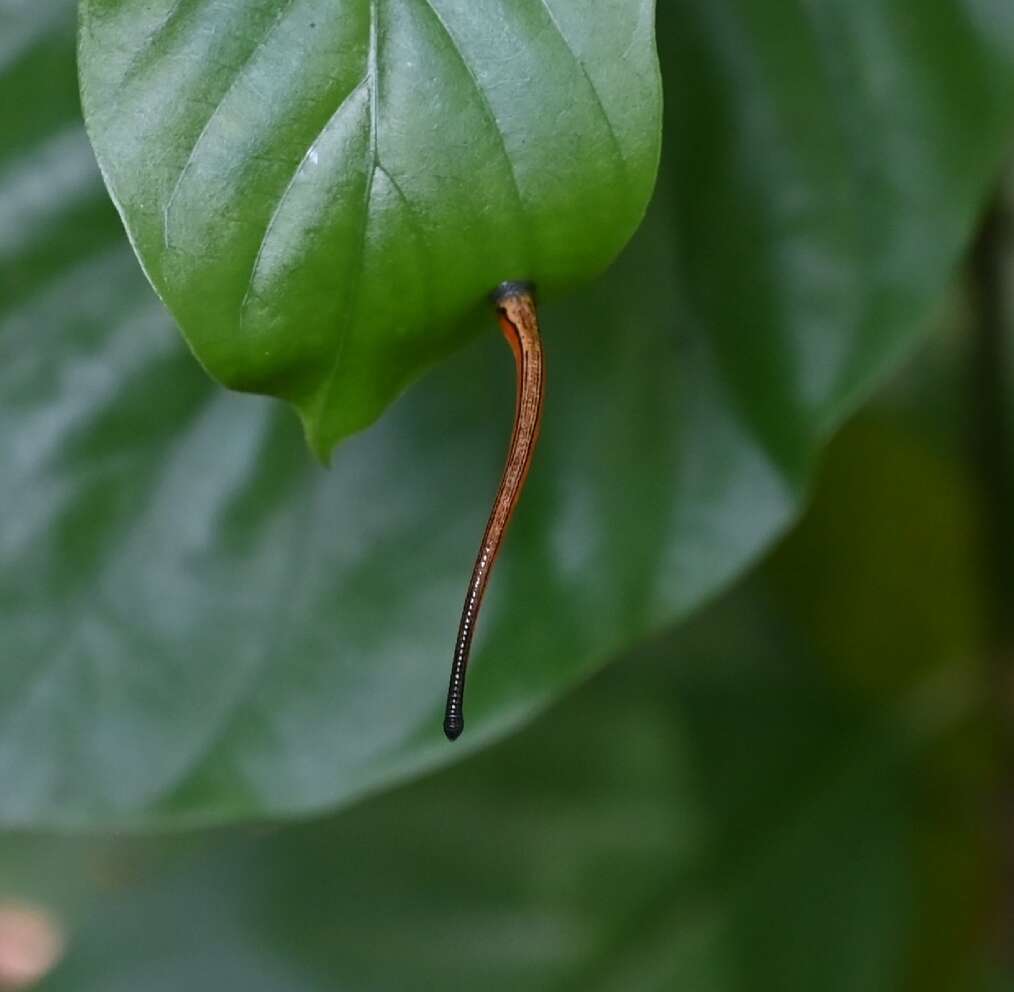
(798, 789)
(808, 783)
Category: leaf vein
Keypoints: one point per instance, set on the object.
(283, 198)
(241, 69)
(416, 227)
(483, 99)
(596, 96)
(140, 59)
(372, 74)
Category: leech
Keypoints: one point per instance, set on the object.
(515, 307)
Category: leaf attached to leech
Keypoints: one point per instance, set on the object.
(323, 192)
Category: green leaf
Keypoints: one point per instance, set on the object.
(199, 624)
(323, 192)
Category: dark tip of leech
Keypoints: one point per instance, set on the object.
(509, 290)
(453, 725)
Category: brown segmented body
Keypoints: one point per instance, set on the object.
(516, 310)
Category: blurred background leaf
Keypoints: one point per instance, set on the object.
(201, 625)
(735, 807)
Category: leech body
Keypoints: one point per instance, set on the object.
(515, 306)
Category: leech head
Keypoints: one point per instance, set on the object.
(519, 321)
(512, 290)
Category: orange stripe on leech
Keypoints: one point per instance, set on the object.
(513, 335)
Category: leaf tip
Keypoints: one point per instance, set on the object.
(317, 440)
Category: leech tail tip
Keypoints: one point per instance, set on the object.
(453, 725)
